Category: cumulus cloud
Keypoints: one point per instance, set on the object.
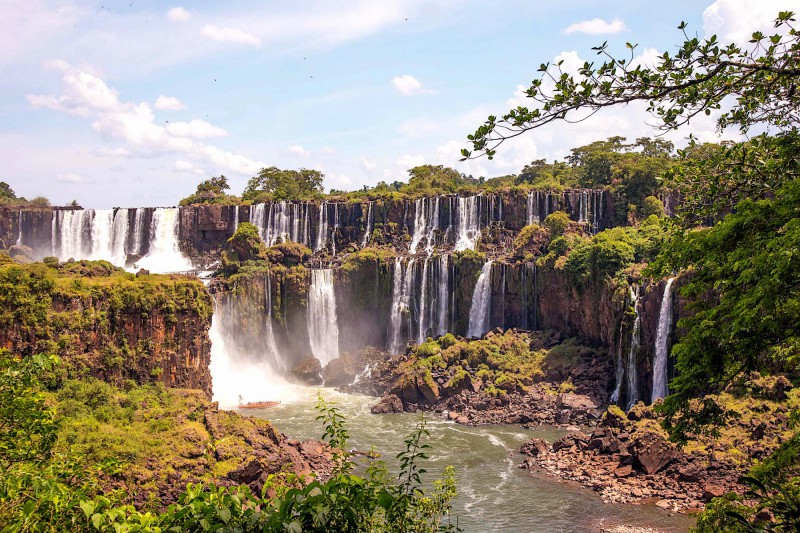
(596, 26)
(736, 20)
(407, 161)
(178, 14)
(187, 166)
(133, 124)
(408, 85)
(367, 164)
(296, 149)
(71, 177)
(230, 35)
(195, 129)
(169, 103)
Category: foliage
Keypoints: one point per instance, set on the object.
(745, 294)
(557, 223)
(6, 192)
(273, 183)
(211, 191)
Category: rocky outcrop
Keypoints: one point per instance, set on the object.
(110, 324)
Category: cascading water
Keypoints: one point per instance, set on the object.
(619, 372)
(70, 231)
(323, 328)
(139, 234)
(426, 222)
(235, 218)
(119, 234)
(102, 230)
(238, 376)
(443, 315)
(425, 317)
(19, 228)
(479, 312)
(661, 357)
(164, 254)
(335, 227)
(633, 375)
(269, 336)
(283, 222)
(401, 304)
(468, 222)
(538, 206)
(368, 231)
(322, 233)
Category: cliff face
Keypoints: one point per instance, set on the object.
(109, 324)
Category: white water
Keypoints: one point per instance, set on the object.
(119, 237)
(619, 373)
(102, 223)
(335, 227)
(402, 288)
(164, 254)
(19, 227)
(443, 321)
(235, 218)
(139, 234)
(538, 204)
(242, 377)
(322, 227)
(424, 323)
(368, 231)
(468, 223)
(283, 222)
(633, 377)
(426, 222)
(479, 311)
(269, 341)
(661, 357)
(323, 328)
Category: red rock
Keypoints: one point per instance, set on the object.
(652, 452)
(535, 447)
(623, 471)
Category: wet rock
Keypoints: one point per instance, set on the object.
(342, 370)
(713, 490)
(535, 447)
(390, 403)
(307, 371)
(569, 400)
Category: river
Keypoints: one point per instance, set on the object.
(493, 493)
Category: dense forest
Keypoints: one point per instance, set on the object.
(106, 418)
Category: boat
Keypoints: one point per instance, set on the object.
(258, 405)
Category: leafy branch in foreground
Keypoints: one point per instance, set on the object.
(694, 80)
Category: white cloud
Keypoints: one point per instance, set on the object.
(230, 35)
(169, 103)
(596, 26)
(367, 164)
(178, 14)
(71, 177)
(296, 149)
(327, 150)
(736, 20)
(407, 161)
(113, 152)
(187, 166)
(195, 129)
(134, 124)
(408, 85)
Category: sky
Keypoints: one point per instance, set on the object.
(133, 103)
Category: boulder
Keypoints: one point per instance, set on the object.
(712, 490)
(570, 400)
(342, 370)
(388, 404)
(429, 390)
(307, 371)
(535, 447)
(653, 452)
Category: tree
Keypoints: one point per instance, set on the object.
(6, 193)
(211, 191)
(759, 81)
(434, 178)
(303, 184)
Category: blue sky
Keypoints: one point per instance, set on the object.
(120, 103)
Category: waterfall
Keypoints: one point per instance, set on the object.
(236, 218)
(72, 229)
(102, 223)
(19, 227)
(597, 210)
(323, 329)
(619, 373)
(633, 377)
(426, 222)
(322, 234)
(481, 308)
(119, 237)
(164, 254)
(138, 232)
(368, 231)
(269, 341)
(443, 323)
(468, 222)
(284, 222)
(661, 357)
(401, 304)
(424, 318)
(538, 206)
(335, 227)
(241, 377)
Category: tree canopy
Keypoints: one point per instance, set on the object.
(276, 184)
